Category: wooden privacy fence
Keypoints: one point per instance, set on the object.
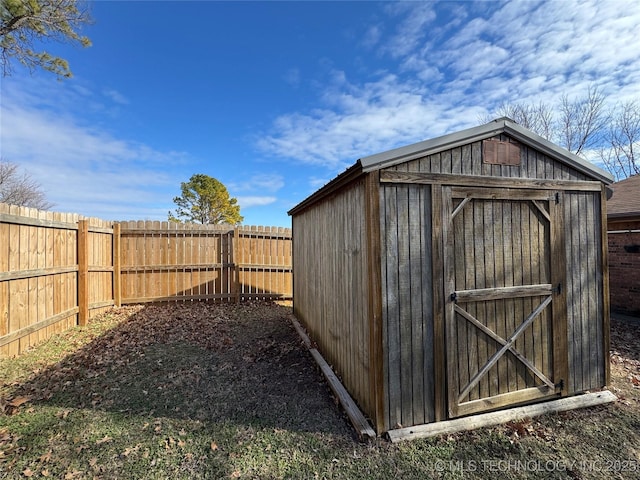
(164, 261)
(55, 268)
(58, 270)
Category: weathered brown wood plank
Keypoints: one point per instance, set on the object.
(484, 294)
(387, 176)
(417, 318)
(559, 304)
(519, 272)
(502, 400)
(498, 194)
(501, 385)
(500, 340)
(592, 366)
(358, 420)
(391, 307)
(403, 266)
(438, 305)
(605, 307)
(374, 299)
(500, 417)
(477, 344)
(452, 376)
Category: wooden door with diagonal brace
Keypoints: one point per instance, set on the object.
(505, 340)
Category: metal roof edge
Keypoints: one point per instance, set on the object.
(481, 132)
(349, 175)
(428, 147)
(431, 146)
(536, 141)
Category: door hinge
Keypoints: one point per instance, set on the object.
(454, 297)
(560, 385)
(558, 289)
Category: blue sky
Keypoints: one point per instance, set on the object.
(276, 98)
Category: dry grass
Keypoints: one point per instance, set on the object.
(228, 391)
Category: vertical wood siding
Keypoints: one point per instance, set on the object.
(331, 299)
(583, 272)
(498, 244)
(584, 291)
(407, 308)
(467, 160)
(331, 286)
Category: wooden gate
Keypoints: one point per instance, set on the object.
(506, 317)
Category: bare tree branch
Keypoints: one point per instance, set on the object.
(539, 118)
(623, 141)
(20, 189)
(581, 121)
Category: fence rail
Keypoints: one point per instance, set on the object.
(58, 270)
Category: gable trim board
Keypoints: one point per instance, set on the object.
(500, 126)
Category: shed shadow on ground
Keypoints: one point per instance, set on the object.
(237, 364)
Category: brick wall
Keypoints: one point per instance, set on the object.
(624, 268)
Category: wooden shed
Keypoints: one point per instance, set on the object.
(458, 275)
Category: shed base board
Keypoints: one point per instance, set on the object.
(503, 416)
(358, 420)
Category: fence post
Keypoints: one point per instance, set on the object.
(83, 272)
(235, 286)
(117, 266)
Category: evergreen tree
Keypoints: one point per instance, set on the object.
(205, 200)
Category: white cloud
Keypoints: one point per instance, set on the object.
(115, 96)
(372, 36)
(366, 119)
(267, 182)
(576, 43)
(411, 30)
(82, 168)
(450, 73)
(246, 202)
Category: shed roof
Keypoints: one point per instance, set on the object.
(625, 200)
(475, 134)
(429, 147)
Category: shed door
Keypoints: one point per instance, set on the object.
(505, 305)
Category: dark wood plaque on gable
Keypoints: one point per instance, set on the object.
(497, 152)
